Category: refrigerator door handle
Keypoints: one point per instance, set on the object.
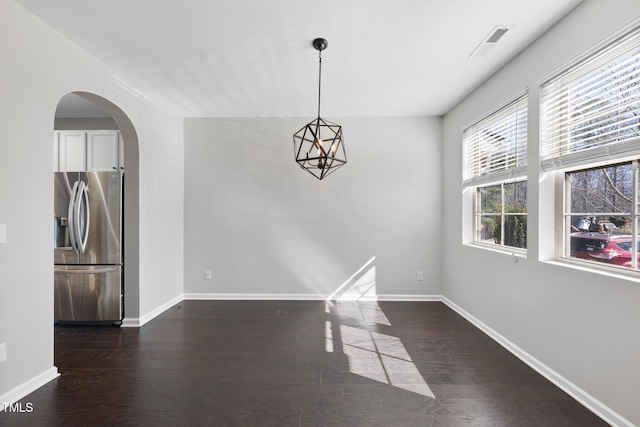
(83, 221)
(87, 271)
(72, 217)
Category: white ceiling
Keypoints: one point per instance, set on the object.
(253, 58)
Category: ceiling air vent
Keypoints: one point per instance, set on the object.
(490, 40)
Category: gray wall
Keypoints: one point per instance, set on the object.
(582, 325)
(39, 67)
(263, 226)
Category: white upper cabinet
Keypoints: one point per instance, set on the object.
(56, 152)
(73, 151)
(103, 150)
(78, 151)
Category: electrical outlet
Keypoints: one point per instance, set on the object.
(3, 352)
(207, 275)
(419, 275)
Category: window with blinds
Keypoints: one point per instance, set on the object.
(592, 110)
(495, 148)
(495, 162)
(590, 130)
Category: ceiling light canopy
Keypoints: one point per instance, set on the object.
(319, 145)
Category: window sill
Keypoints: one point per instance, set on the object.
(603, 270)
(504, 250)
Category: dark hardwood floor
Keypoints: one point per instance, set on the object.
(294, 363)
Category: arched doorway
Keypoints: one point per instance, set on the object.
(77, 108)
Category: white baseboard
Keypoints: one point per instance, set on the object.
(131, 322)
(302, 297)
(135, 322)
(392, 297)
(28, 387)
(161, 309)
(254, 297)
(588, 401)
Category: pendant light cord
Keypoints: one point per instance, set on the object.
(319, 78)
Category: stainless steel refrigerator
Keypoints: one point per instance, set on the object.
(88, 254)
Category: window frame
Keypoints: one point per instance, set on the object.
(563, 217)
(612, 152)
(518, 173)
(478, 214)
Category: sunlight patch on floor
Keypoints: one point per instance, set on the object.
(368, 312)
(382, 358)
(371, 354)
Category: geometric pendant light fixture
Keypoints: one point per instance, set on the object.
(319, 145)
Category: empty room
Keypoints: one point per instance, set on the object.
(285, 213)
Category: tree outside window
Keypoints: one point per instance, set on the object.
(502, 214)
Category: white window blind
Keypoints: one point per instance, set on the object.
(495, 148)
(592, 110)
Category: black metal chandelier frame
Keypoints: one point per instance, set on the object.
(319, 145)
